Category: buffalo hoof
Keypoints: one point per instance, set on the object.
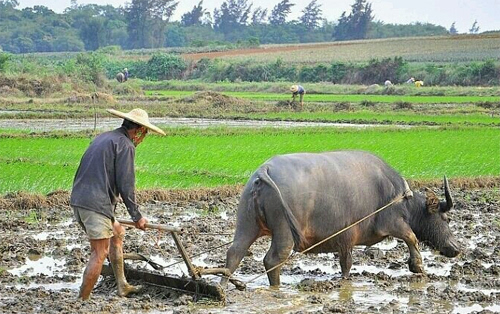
(416, 267)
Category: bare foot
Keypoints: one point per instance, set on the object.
(128, 289)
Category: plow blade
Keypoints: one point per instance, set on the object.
(200, 288)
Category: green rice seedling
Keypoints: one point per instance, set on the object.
(188, 158)
(32, 217)
(356, 98)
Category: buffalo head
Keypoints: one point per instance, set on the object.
(433, 225)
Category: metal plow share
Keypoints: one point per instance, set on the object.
(195, 284)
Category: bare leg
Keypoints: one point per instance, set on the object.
(99, 251)
(116, 258)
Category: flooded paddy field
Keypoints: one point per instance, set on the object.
(43, 254)
(108, 123)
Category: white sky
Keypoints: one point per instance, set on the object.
(439, 12)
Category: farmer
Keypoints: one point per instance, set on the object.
(125, 73)
(106, 172)
(419, 83)
(298, 90)
(411, 80)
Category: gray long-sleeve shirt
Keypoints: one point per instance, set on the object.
(106, 172)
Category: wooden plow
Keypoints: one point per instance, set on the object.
(194, 284)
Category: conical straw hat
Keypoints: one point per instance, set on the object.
(138, 116)
(294, 88)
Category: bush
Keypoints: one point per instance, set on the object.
(4, 57)
(90, 67)
(379, 71)
(338, 70)
(318, 73)
(163, 66)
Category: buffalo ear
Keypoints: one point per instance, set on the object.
(431, 201)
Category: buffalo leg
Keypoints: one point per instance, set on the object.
(247, 231)
(235, 254)
(345, 256)
(404, 232)
(278, 252)
(246, 234)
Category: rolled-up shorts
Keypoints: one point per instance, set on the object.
(96, 226)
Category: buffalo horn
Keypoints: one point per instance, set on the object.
(446, 206)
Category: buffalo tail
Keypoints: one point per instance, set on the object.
(298, 237)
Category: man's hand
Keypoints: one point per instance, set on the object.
(141, 223)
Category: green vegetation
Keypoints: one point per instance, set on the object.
(476, 65)
(220, 156)
(365, 116)
(33, 217)
(314, 88)
(345, 98)
(148, 24)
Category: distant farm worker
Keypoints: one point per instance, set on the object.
(419, 83)
(387, 83)
(298, 90)
(410, 81)
(106, 172)
(125, 73)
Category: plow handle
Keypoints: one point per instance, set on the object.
(152, 226)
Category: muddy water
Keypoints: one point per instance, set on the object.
(42, 265)
(110, 123)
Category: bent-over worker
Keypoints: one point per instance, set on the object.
(298, 90)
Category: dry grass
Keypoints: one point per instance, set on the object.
(214, 98)
(31, 87)
(90, 97)
(457, 48)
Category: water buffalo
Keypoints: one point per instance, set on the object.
(301, 199)
(120, 77)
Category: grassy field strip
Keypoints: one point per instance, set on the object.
(403, 117)
(312, 88)
(343, 98)
(221, 157)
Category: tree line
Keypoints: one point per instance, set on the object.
(148, 24)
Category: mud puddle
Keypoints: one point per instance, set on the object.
(42, 263)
